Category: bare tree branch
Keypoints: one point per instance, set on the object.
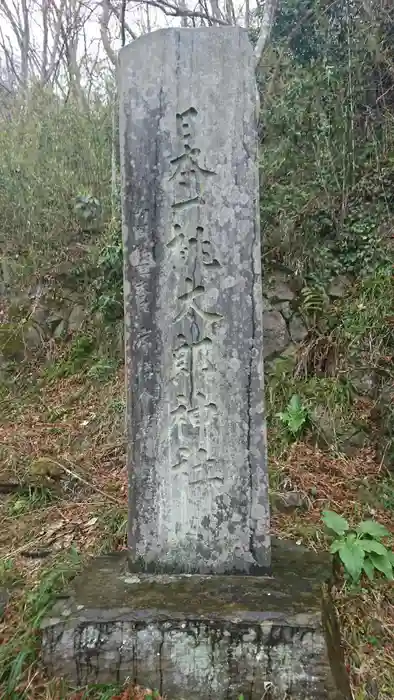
(265, 29)
(104, 31)
(171, 10)
(247, 14)
(122, 22)
(121, 16)
(45, 33)
(216, 14)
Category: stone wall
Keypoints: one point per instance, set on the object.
(283, 324)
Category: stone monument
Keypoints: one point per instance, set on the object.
(196, 608)
(198, 471)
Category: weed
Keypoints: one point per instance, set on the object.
(367, 318)
(76, 359)
(359, 549)
(378, 495)
(117, 405)
(9, 574)
(100, 691)
(386, 492)
(103, 369)
(314, 301)
(20, 650)
(109, 282)
(114, 525)
(295, 416)
(36, 497)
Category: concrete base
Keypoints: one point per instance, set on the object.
(202, 637)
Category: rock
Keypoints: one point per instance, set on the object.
(54, 320)
(323, 426)
(46, 467)
(351, 443)
(32, 337)
(12, 345)
(40, 316)
(279, 288)
(275, 334)
(60, 329)
(290, 353)
(76, 318)
(288, 500)
(364, 382)
(298, 330)
(19, 308)
(329, 432)
(282, 363)
(339, 287)
(285, 309)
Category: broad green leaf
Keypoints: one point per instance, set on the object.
(369, 568)
(373, 546)
(336, 546)
(373, 529)
(335, 522)
(295, 404)
(383, 564)
(295, 422)
(390, 555)
(352, 557)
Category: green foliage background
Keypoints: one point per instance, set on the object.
(327, 186)
(327, 147)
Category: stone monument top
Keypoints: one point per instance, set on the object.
(193, 302)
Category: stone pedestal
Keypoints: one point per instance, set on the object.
(195, 637)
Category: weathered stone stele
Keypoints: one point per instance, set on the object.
(193, 302)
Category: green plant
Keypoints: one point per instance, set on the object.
(34, 498)
(117, 405)
(151, 696)
(9, 574)
(359, 549)
(78, 355)
(56, 164)
(114, 520)
(313, 300)
(109, 281)
(295, 416)
(20, 651)
(103, 369)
